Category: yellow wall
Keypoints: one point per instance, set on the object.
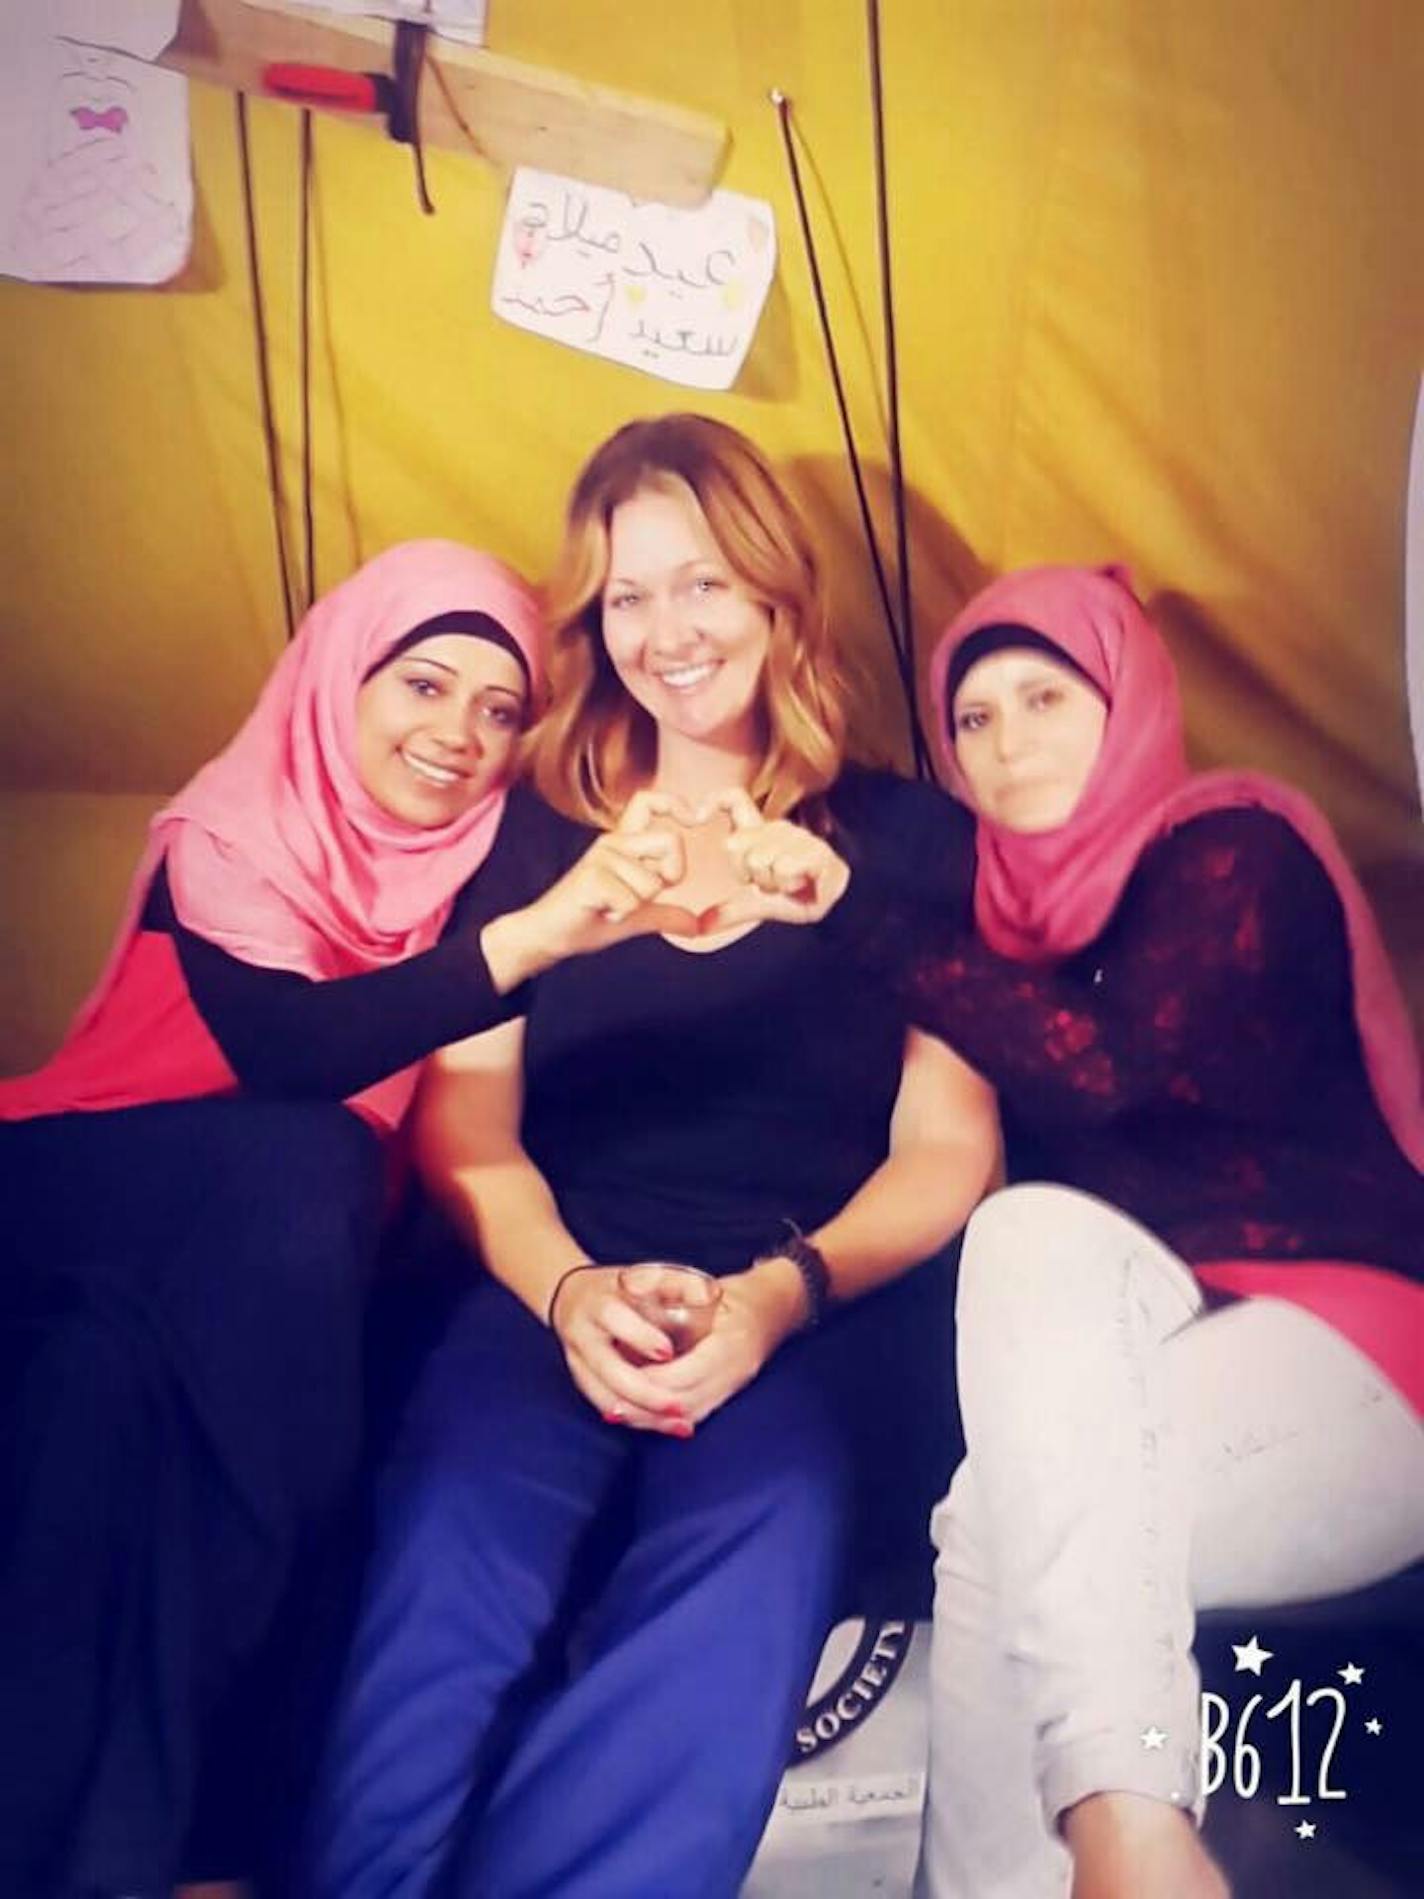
(1160, 285)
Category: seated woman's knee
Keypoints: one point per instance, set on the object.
(1018, 1230)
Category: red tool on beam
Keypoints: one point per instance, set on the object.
(397, 96)
(328, 87)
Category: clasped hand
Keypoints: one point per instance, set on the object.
(627, 1369)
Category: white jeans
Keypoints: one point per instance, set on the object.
(1130, 1461)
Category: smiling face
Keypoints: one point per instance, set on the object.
(684, 633)
(436, 727)
(1026, 732)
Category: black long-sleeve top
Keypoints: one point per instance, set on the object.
(290, 1037)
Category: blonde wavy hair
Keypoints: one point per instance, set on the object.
(594, 745)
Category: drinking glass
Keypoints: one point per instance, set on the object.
(681, 1301)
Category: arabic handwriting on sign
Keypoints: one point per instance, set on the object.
(573, 226)
(569, 304)
(684, 341)
(712, 275)
(566, 304)
(718, 276)
(676, 293)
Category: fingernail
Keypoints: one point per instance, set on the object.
(674, 1411)
(613, 1417)
(682, 1429)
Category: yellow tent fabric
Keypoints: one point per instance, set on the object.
(1159, 277)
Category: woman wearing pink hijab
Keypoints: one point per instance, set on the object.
(191, 1187)
(1191, 1355)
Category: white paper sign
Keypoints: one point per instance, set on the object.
(675, 293)
(96, 183)
(451, 19)
(140, 27)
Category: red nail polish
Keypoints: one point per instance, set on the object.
(613, 1417)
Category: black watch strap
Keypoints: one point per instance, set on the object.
(810, 1262)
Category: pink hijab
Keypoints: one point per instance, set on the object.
(275, 851)
(1044, 895)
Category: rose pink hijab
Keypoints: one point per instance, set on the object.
(275, 851)
(1044, 895)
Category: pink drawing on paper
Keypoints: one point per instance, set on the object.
(110, 198)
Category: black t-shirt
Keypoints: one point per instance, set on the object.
(683, 1104)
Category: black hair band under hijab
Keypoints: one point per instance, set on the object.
(478, 626)
(997, 639)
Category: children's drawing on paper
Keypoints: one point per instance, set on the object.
(109, 196)
(675, 293)
(452, 19)
(96, 182)
(140, 27)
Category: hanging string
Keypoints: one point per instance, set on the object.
(411, 42)
(304, 300)
(264, 363)
(813, 265)
(892, 386)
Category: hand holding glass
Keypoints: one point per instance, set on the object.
(680, 1301)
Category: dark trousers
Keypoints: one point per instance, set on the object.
(179, 1404)
(691, 1583)
(457, 1765)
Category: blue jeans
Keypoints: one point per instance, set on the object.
(650, 1767)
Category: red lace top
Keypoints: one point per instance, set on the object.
(1199, 1067)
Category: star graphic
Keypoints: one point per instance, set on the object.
(1374, 1726)
(1306, 1830)
(1351, 1675)
(1153, 1739)
(1250, 1655)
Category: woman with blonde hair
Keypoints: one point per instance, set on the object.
(720, 1094)
(599, 743)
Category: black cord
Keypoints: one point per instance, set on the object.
(882, 584)
(892, 387)
(304, 352)
(264, 365)
(411, 41)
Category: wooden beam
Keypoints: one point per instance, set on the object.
(471, 100)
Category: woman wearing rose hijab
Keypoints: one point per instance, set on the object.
(1192, 1367)
(191, 1189)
